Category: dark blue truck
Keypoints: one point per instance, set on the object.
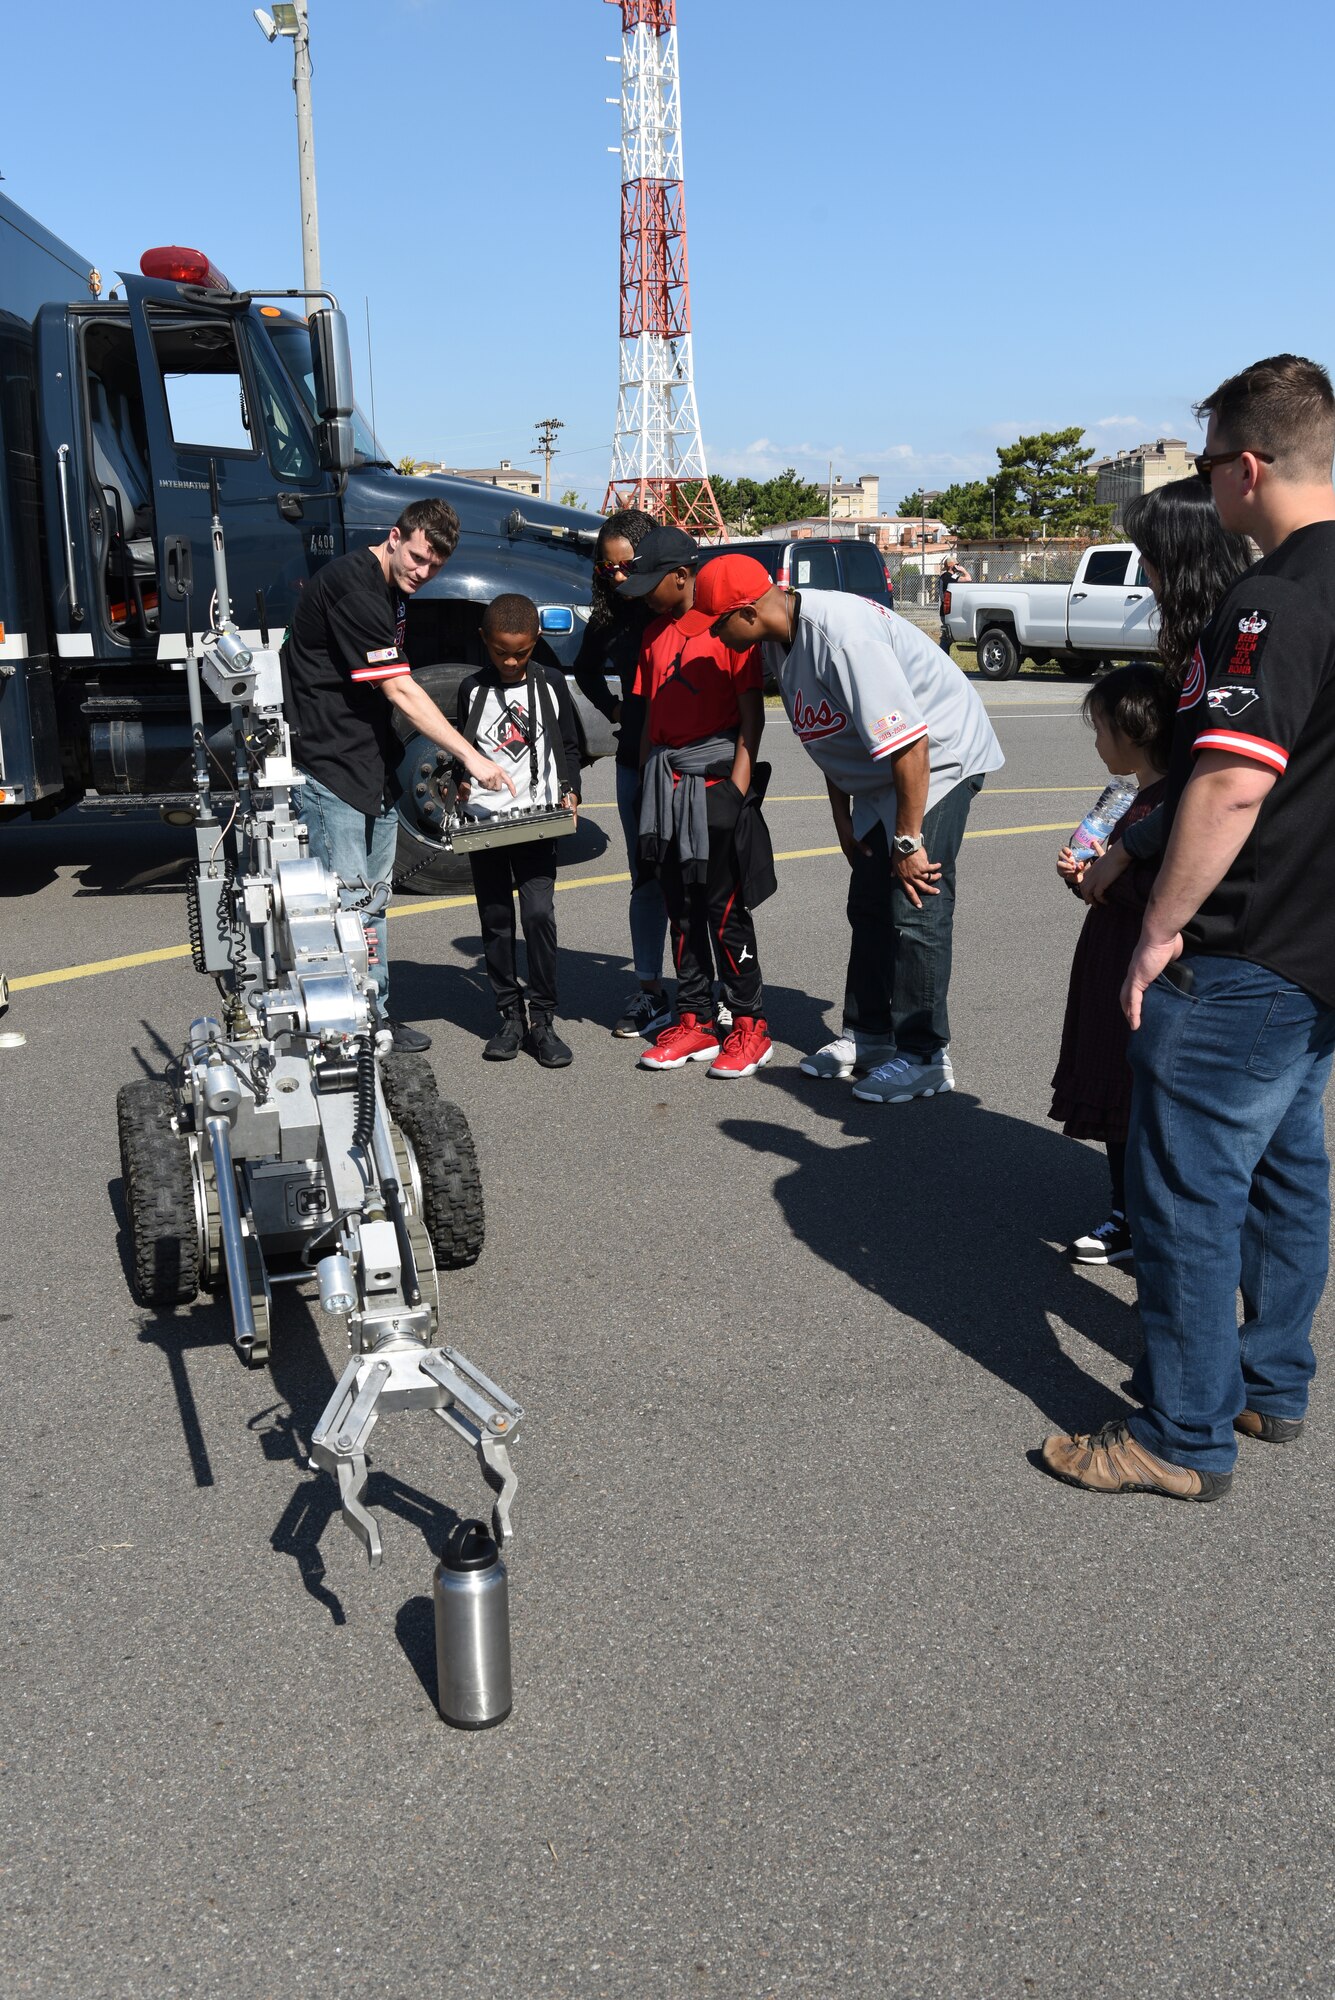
(112, 410)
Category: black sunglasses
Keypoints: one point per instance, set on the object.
(1207, 461)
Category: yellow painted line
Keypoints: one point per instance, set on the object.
(425, 909)
(99, 965)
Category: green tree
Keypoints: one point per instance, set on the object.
(971, 506)
(750, 504)
(407, 465)
(570, 497)
(912, 503)
(1046, 478)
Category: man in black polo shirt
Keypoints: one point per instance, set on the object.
(346, 672)
(1231, 992)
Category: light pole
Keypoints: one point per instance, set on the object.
(547, 427)
(289, 23)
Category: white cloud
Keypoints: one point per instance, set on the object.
(1117, 424)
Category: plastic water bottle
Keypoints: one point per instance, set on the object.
(1102, 817)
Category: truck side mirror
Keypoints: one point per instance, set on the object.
(331, 357)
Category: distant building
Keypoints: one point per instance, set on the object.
(855, 500)
(514, 480)
(1128, 474)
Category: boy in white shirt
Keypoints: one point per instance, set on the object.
(523, 718)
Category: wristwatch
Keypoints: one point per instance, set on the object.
(907, 843)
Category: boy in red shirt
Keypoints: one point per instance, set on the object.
(699, 809)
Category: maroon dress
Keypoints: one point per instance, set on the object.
(1091, 1088)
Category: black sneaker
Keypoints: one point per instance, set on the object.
(545, 1045)
(508, 1039)
(1110, 1243)
(407, 1041)
(646, 1012)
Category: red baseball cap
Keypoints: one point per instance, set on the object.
(724, 585)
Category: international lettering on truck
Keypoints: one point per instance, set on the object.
(114, 403)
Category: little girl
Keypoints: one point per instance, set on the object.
(1131, 712)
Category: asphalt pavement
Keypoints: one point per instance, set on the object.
(822, 1686)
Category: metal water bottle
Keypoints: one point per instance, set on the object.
(471, 1593)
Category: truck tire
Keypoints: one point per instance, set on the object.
(998, 654)
(431, 869)
(159, 1197)
(446, 1158)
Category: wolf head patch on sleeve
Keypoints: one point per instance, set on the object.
(1232, 701)
(1249, 641)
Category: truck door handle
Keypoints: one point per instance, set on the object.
(290, 506)
(1134, 596)
(1078, 596)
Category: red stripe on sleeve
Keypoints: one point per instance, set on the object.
(1258, 748)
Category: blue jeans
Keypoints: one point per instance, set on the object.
(359, 848)
(899, 958)
(648, 911)
(1228, 1188)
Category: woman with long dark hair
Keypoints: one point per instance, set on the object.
(1190, 562)
(611, 644)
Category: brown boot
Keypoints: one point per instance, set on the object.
(1110, 1461)
(1270, 1430)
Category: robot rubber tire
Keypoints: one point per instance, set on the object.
(159, 1198)
(446, 1158)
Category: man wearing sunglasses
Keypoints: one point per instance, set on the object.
(1231, 992)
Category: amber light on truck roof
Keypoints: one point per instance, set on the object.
(183, 267)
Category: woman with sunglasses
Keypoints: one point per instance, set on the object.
(611, 645)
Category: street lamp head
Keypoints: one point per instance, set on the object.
(283, 21)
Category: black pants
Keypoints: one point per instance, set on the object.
(899, 958)
(710, 919)
(531, 869)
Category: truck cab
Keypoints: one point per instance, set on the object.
(116, 413)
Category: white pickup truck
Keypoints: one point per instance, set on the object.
(1107, 613)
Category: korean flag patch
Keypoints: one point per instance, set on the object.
(1251, 629)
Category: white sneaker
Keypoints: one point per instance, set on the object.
(905, 1077)
(845, 1057)
(836, 1059)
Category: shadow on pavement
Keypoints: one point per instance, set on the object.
(940, 1207)
(594, 987)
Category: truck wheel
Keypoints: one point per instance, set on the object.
(1078, 666)
(432, 869)
(159, 1197)
(446, 1159)
(998, 654)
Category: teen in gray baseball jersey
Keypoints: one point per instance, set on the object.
(904, 743)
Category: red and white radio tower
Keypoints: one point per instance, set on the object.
(658, 458)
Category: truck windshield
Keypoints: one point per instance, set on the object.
(292, 342)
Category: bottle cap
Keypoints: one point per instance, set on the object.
(468, 1546)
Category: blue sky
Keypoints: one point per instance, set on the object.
(914, 232)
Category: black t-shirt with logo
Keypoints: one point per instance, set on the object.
(1262, 686)
(345, 641)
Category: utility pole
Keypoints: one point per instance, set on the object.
(310, 214)
(289, 22)
(547, 427)
(922, 503)
(829, 500)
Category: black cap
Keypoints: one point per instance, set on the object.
(468, 1546)
(661, 551)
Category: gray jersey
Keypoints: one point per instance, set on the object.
(860, 684)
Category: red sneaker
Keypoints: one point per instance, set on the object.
(685, 1041)
(747, 1049)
